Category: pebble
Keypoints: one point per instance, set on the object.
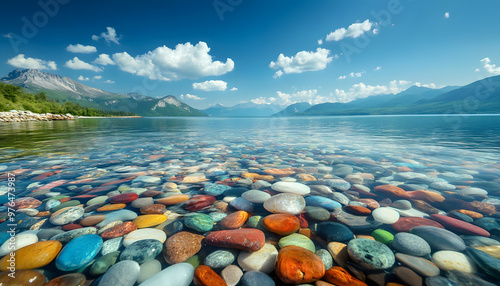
(370, 254)
(439, 239)
(181, 246)
(120, 215)
(68, 279)
(33, 256)
(232, 275)
(20, 240)
(254, 278)
(111, 245)
(340, 277)
(411, 244)
(325, 257)
(142, 250)
(123, 273)
(220, 258)
(199, 222)
(333, 231)
(78, 252)
(245, 239)
(215, 189)
(291, 187)
(451, 260)
(92, 220)
(144, 233)
(299, 240)
(234, 220)
(383, 236)
(66, 215)
(23, 278)
(180, 274)
(402, 204)
(143, 221)
(103, 263)
(339, 253)
(418, 264)
(148, 269)
(317, 213)
(119, 230)
(205, 276)
(459, 226)
(262, 260)
(281, 224)
(256, 196)
(285, 203)
(385, 215)
(489, 264)
(297, 265)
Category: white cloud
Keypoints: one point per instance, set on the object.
(163, 63)
(109, 36)
(77, 64)
(20, 61)
(82, 78)
(311, 96)
(109, 81)
(447, 15)
(477, 70)
(375, 31)
(234, 89)
(361, 90)
(377, 68)
(104, 60)
(352, 74)
(98, 77)
(79, 48)
(353, 31)
(301, 62)
(428, 85)
(320, 42)
(191, 96)
(490, 68)
(211, 85)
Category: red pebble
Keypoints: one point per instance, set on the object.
(459, 226)
(71, 226)
(405, 224)
(199, 202)
(246, 239)
(124, 198)
(303, 221)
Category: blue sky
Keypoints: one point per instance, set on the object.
(232, 51)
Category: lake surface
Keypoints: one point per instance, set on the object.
(442, 164)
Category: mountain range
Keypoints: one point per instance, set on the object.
(64, 89)
(482, 96)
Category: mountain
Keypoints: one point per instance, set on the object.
(294, 109)
(482, 96)
(242, 110)
(64, 89)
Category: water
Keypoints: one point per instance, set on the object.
(103, 157)
(461, 134)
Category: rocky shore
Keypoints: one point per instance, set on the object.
(22, 116)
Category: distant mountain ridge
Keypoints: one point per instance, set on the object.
(64, 89)
(242, 110)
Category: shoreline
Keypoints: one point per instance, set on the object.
(26, 115)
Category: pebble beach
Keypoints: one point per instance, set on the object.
(251, 212)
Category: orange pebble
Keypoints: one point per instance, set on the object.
(111, 207)
(234, 220)
(172, 200)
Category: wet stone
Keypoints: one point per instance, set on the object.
(370, 254)
(142, 250)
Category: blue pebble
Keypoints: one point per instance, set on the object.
(317, 201)
(215, 189)
(255, 278)
(78, 252)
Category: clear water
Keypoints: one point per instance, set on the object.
(445, 137)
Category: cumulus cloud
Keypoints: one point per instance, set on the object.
(352, 74)
(447, 15)
(320, 42)
(490, 68)
(104, 60)
(428, 85)
(234, 89)
(82, 78)
(98, 77)
(109, 81)
(311, 96)
(109, 36)
(303, 61)
(211, 85)
(353, 31)
(377, 68)
(184, 61)
(191, 96)
(79, 48)
(20, 61)
(362, 90)
(77, 64)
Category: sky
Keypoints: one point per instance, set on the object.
(266, 52)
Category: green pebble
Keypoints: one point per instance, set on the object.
(254, 221)
(199, 222)
(103, 263)
(194, 260)
(383, 236)
(55, 198)
(64, 205)
(297, 240)
(97, 200)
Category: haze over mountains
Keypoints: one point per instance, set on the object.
(482, 96)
